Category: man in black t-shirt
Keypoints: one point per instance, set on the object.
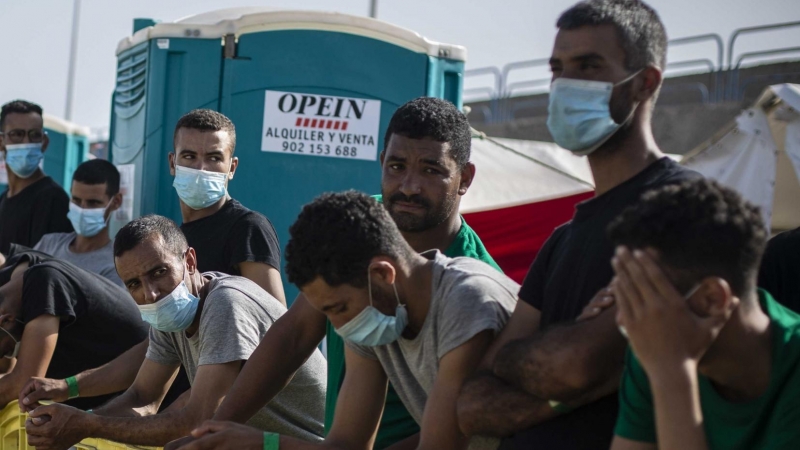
(58, 320)
(549, 382)
(780, 269)
(33, 205)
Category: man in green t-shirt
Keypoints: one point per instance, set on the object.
(425, 171)
(714, 362)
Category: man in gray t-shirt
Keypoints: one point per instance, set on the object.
(99, 261)
(210, 324)
(421, 321)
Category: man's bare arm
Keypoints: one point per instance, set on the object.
(288, 343)
(36, 350)
(115, 376)
(266, 276)
(210, 386)
(568, 362)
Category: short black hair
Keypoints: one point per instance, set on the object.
(337, 235)
(18, 107)
(98, 171)
(139, 230)
(207, 120)
(700, 229)
(641, 32)
(433, 118)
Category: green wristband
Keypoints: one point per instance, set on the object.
(72, 386)
(271, 441)
(559, 407)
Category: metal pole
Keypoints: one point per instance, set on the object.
(373, 9)
(73, 56)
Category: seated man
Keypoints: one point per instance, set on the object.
(95, 196)
(714, 362)
(58, 319)
(421, 321)
(208, 323)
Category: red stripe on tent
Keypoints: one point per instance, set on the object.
(344, 126)
(313, 123)
(322, 123)
(514, 236)
(299, 121)
(336, 125)
(305, 124)
(330, 124)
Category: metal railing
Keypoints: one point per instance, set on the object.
(723, 88)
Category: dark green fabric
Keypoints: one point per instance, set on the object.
(396, 423)
(769, 422)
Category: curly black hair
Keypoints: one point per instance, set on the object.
(640, 30)
(207, 120)
(433, 118)
(337, 235)
(700, 229)
(18, 107)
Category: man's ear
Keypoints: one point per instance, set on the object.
(191, 260)
(714, 297)
(234, 165)
(383, 268)
(171, 160)
(652, 77)
(467, 175)
(45, 142)
(116, 202)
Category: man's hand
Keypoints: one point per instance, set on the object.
(56, 427)
(664, 333)
(38, 389)
(601, 301)
(223, 436)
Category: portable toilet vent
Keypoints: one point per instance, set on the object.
(310, 94)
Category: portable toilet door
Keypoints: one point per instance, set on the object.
(311, 95)
(69, 146)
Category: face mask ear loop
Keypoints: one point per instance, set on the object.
(394, 286)
(369, 285)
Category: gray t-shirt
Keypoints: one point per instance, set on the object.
(100, 261)
(235, 316)
(468, 297)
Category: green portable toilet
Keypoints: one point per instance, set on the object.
(69, 146)
(310, 93)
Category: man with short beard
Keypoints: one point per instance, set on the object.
(426, 170)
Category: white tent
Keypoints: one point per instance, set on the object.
(758, 154)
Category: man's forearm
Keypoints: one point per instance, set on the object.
(679, 418)
(114, 376)
(567, 362)
(488, 406)
(154, 430)
(10, 385)
(128, 404)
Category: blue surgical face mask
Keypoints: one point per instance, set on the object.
(371, 327)
(199, 188)
(87, 222)
(173, 313)
(579, 116)
(24, 159)
(686, 297)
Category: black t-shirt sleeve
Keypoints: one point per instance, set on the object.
(532, 290)
(45, 290)
(51, 215)
(779, 268)
(253, 239)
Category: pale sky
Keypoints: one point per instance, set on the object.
(37, 34)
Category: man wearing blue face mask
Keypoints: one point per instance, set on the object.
(95, 196)
(208, 323)
(419, 321)
(550, 382)
(33, 205)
